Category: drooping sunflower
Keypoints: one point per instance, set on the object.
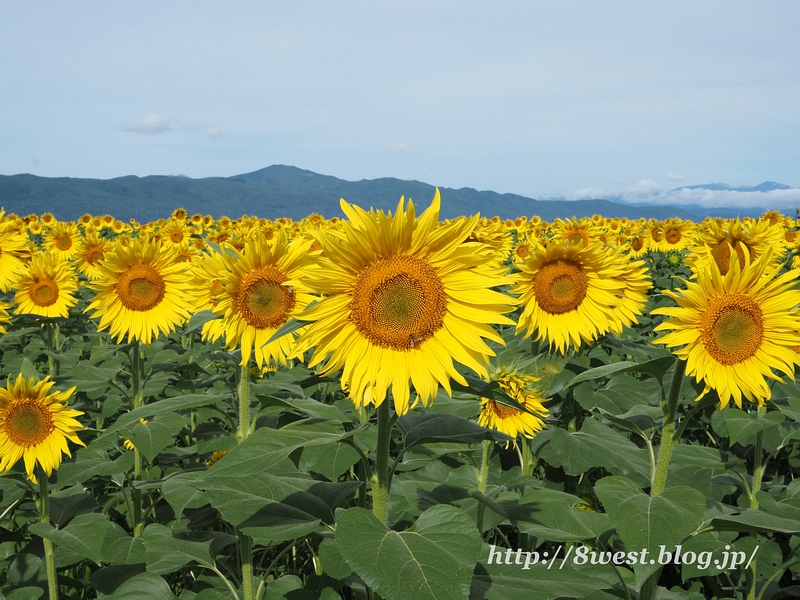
(141, 291)
(509, 420)
(575, 293)
(13, 251)
(405, 297)
(35, 425)
(734, 330)
(261, 291)
(46, 287)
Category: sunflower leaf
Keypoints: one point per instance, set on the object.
(200, 319)
(290, 326)
(438, 553)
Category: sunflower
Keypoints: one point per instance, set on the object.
(13, 251)
(676, 234)
(4, 317)
(61, 240)
(141, 291)
(575, 293)
(175, 232)
(46, 288)
(35, 425)
(732, 236)
(575, 230)
(405, 296)
(260, 293)
(733, 330)
(90, 251)
(509, 420)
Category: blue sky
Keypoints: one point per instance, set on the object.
(537, 98)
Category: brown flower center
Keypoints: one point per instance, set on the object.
(398, 302)
(261, 299)
(732, 328)
(560, 286)
(27, 422)
(141, 288)
(44, 292)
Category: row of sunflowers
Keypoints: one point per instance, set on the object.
(327, 358)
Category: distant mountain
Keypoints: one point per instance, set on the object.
(282, 190)
(767, 186)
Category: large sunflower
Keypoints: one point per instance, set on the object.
(509, 420)
(35, 425)
(46, 288)
(733, 330)
(261, 292)
(576, 293)
(13, 250)
(141, 291)
(406, 296)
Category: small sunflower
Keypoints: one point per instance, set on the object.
(509, 420)
(90, 252)
(677, 234)
(62, 240)
(35, 425)
(141, 291)
(732, 236)
(573, 294)
(46, 288)
(734, 330)
(404, 298)
(261, 293)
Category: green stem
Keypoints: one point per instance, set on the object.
(527, 459)
(244, 403)
(49, 551)
(758, 473)
(246, 548)
(380, 477)
(483, 480)
(138, 401)
(668, 436)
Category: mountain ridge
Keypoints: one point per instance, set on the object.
(283, 190)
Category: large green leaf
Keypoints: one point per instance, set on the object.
(146, 585)
(597, 445)
(644, 521)
(87, 535)
(742, 425)
(165, 554)
(154, 435)
(496, 580)
(439, 427)
(433, 560)
(756, 521)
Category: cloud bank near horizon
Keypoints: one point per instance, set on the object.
(651, 192)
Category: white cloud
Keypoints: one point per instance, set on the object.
(215, 133)
(149, 124)
(778, 199)
(650, 192)
(675, 176)
(589, 193)
(400, 147)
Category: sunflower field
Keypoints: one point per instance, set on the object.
(390, 406)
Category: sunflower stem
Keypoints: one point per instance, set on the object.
(380, 477)
(49, 551)
(758, 473)
(138, 401)
(244, 403)
(668, 439)
(246, 550)
(483, 480)
(527, 459)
